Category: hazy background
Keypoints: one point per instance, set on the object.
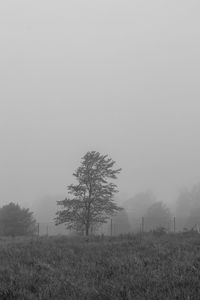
(118, 77)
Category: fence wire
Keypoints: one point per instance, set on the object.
(112, 228)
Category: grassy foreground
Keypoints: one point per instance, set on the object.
(166, 267)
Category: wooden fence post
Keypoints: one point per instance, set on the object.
(142, 224)
(174, 224)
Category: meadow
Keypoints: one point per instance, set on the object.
(127, 267)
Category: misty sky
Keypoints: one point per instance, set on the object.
(118, 77)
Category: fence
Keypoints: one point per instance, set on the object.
(50, 229)
(112, 228)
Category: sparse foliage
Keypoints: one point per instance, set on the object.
(91, 200)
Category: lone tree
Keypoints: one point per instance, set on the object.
(15, 220)
(91, 200)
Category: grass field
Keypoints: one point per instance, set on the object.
(129, 267)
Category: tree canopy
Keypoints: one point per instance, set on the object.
(15, 220)
(91, 200)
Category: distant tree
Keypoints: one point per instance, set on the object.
(188, 207)
(194, 212)
(194, 218)
(137, 206)
(15, 221)
(184, 206)
(121, 223)
(158, 215)
(92, 198)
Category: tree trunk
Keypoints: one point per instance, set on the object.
(87, 230)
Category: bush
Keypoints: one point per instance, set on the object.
(16, 221)
(160, 231)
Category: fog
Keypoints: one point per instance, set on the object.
(118, 77)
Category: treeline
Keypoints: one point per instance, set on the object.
(142, 213)
(145, 212)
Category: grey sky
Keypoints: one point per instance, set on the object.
(118, 77)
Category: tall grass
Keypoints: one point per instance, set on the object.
(127, 267)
